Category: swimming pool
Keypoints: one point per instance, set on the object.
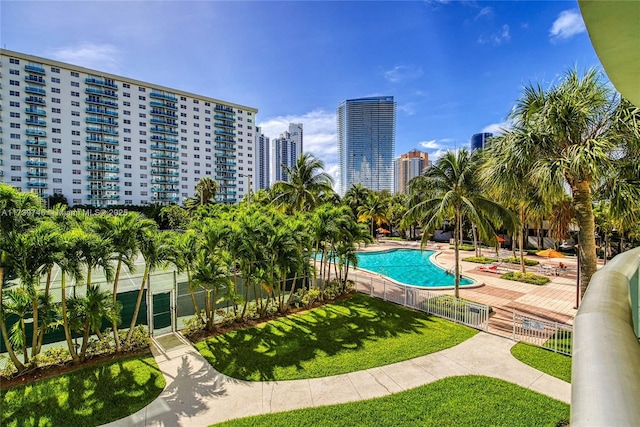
(410, 267)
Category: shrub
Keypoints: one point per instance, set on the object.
(464, 247)
(480, 259)
(194, 325)
(530, 278)
(515, 260)
(53, 356)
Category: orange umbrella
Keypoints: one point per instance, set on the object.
(383, 230)
(501, 240)
(550, 253)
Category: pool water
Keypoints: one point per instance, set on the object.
(408, 266)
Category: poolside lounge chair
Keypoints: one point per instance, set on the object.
(493, 268)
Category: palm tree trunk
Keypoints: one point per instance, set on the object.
(85, 341)
(456, 250)
(586, 222)
(522, 263)
(36, 329)
(114, 323)
(193, 295)
(138, 303)
(46, 298)
(65, 321)
(475, 241)
(3, 326)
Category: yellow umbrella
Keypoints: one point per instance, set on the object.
(550, 253)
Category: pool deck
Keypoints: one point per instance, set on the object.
(554, 301)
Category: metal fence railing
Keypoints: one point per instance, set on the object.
(457, 310)
(554, 336)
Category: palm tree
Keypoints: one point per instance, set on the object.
(578, 130)
(186, 247)
(355, 197)
(373, 209)
(449, 190)
(18, 303)
(206, 190)
(305, 187)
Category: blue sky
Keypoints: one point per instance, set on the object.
(454, 67)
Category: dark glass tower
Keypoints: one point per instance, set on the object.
(479, 140)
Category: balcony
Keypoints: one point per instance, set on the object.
(224, 109)
(156, 121)
(98, 82)
(101, 130)
(104, 140)
(221, 117)
(164, 172)
(37, 184)
(225, 178)
(34, 68)
(102, 111)
(35, 132)
(34, 100)
(36, 143)
(103, 197)
(223, 125)
(225, 163)
(164, 105)
(100, 92)
(164, 190)
(37, 174)
(35, 79)
(164, 139)
(225, 155)
(164, 148)
(102, 178)
(36, 111)
(227, 192)
(165, 199)
(103, 159)
(98, 120)
(35, 122)
(224, 139)
(160, 95)
(165, 156)
(96, 100)
(36, 164)
(102, 150)
(165, 181)
(102, 168)
(225, 132)
(159, 164)
(224, 170)
(35, 90)
(225, 148)
(163, 130)
(103, 187)
(170, 114)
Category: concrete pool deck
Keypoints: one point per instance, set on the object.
(197, 395)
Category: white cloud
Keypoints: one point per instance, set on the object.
(407, 108)
(498, 37)
(568, 24)
(320, 137)
(484, 12)
(402, 72)
(430, 145)
(496, 128)
(99, 56)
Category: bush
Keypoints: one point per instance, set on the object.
(480, 259)
(194, 325)
(53, 356)
(530, 278)
(515, 260)
(464, 247)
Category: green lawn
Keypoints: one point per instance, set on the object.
(554, 364)
(87, 397)
(455, 401)
(349, 335)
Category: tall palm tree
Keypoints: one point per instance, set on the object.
(355, 197)
(70, 266)
(306, 185)
(449, 190)
(206, 190)
(373, 209)
(576, 138)
(185, 248)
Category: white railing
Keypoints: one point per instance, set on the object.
(457, 310)
(551, 335)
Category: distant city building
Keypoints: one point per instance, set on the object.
(409, 166)
(479, 140)
(366, 142)
(285, 151)
(262, 161)
(102, 139)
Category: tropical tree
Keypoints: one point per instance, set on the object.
(185, 248)
(580, 135)
(306, 186)
(355, 197)
(373, 209)
(206, 190)
(448, 190)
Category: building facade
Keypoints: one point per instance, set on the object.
(409, 166)
(479, 140)
(262, 161)
(366, 142)
(102, 139)
(285, 151)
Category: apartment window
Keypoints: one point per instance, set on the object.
(77, 172)
(183, 138)
(127, 175)
(126, 85)
(56, 160)
(143, 141)
(75, 162)
(142, 115)
(196, 164)
(77, 201)
(14, 93)
(15, 157)
(55, 110)
(74, 74)
(207, 111)
(75, 132)
(75, 123)
(14, 82)
(76, 182)
(183, 155)
(196, 109)
(75, 142)
(14, 114)
(196, 125)
(126, 121)
(126, 112)
(143, 132)
(143, 159)
(125, 130)
(15, 146)
(15, 136)
(143, 150)
(195, 132)
(128, 193)
(127, 184)
(56, 120)
(15, 168)
(14, 103)
(55, 100)
(127, 139)
(181, 114)
(142, 106)
(14, 61)
(143, 184)
(75, 113)
(182, 98)
(57, 150)
(196, 156)
(127, 148)
(77, 191)
(127, 166)
(14, 72)
(55, 90)
(196, 148)
(127, 157)
(142, 98)
(76, 94)
(143, 193)
(15, 125)
(75, 152)
(183, 146)
(75, 104)
(75, 84)
(184, 178)
(126, 103)
(55, 70)
(184, 107)
(143, 176)
(126, 94)
(16, 179)
(55, 80)
(197, 172)
(183, 122)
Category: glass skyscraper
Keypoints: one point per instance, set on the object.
(366, 142)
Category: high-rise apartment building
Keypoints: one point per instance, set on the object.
(479, 140)
(262, 161)
(366, 142)
(409, 166)
(103, 139)
(285, 151)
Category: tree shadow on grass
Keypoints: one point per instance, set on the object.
(345, 326)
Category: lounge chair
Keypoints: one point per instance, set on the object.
(493, 268)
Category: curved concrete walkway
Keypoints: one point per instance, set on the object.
(198, 395)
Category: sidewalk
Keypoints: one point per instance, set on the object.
(198, 395)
